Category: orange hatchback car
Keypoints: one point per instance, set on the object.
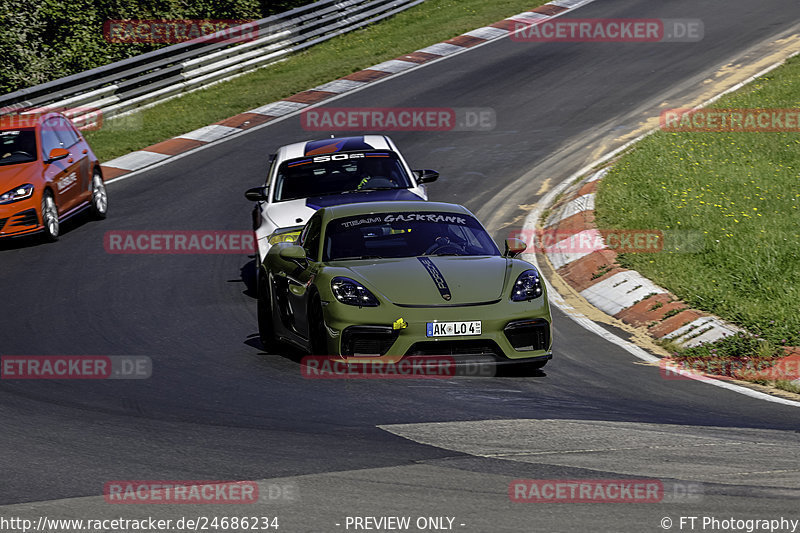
(48, 173)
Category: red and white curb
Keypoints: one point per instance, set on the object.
(164, 151)
(622, 293)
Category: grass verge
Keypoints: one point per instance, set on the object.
(428, 23)
(737, 194)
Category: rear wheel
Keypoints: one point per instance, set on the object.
(50, 217)
(266, 329)
(316, 327)
(99, 202)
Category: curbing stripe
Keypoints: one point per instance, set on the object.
(572, 207)
(278, 109)
(718, 329)
(487, 33)
(210, 133)
(562, 259)
(309, 97)
(175, 146)
(467, 41)
(339, 86)
(620, 291)
(442, 49)
(136, 160)
(393, 65)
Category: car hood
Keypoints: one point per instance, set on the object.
(291, 213)
(15, 175)
(435, 281)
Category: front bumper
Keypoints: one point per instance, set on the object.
(20, 218)
(510, 331)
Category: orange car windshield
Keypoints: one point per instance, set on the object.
(17, 146)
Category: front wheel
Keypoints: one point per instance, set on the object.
(266, 328)
(50, 217)
(99, 202)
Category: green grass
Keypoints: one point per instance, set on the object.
(423, 25)
(787, 386)
(740, 193)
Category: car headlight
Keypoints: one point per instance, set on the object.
(351, 292)
(527, 287)
(284, 236)
(16, 194)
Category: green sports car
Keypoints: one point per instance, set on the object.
(403, 279)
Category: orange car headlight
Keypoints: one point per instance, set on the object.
(16, 194)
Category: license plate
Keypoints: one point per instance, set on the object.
(453, 329)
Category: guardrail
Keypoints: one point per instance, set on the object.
(148, 79)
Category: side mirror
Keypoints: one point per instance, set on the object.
(514, 247)
(256, 194)
(293, 253)
(426, 176)
(56, 154)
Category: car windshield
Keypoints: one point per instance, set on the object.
(339, 173)
(17, 146)
(406, 234)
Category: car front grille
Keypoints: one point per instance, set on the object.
(25, 218)
(2, 223)
(455, 348)
(528, 335)
(367, 340)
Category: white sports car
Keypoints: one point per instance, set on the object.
(306, 176)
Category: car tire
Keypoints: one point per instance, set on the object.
(52, 227)
(316, 327)
(99, 201)
(266, 327)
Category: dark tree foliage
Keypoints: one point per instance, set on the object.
(43, 40)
